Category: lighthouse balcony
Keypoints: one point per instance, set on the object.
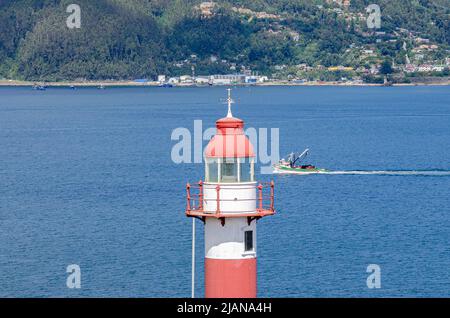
(246, 199)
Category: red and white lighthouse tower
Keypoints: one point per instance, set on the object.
(229, 202)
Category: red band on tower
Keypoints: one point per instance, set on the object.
(230, 278)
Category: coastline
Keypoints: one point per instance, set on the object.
(87, 84)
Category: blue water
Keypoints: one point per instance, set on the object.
(86, 178)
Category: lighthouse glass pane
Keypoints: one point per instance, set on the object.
(245, 170)
(228, 172)
(213, 171)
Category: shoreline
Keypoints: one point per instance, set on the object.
(111, 84)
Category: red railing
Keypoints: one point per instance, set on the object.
(194, 201)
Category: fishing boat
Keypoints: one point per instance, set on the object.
(293, 165)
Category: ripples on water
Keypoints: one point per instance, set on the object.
(386, 172)
(86, 178)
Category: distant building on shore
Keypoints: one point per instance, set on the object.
(161, 78)
(228, 79)
(340, 68)
(218, 79)
(202, 80)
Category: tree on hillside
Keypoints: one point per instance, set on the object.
(386, 67)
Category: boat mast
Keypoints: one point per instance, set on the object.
(303, 155)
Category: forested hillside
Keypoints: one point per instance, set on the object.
(127, 39)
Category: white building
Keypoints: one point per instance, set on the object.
(186, 79)
(173, 80)
(253, 79)
(203, 80)
(438, 68)
(228, 79)
(425, 68)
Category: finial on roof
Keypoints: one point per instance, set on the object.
(230, 101)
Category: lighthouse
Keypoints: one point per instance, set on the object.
(229, 202)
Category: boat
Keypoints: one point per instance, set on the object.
(37, 87)
(292, 165)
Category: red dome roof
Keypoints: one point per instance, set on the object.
(230, 140)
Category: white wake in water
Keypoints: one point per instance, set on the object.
(392, 172)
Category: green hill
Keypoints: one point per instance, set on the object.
(121, 39)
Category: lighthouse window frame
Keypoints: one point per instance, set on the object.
(228, 168)
(246, 169)
(212, 170)
(248, 241)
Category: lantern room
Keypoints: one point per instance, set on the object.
(229, 156)
(230, 188)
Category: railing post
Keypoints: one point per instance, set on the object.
(200, 195)
(218, 199)
(272, 194)
(188, 193)
(260, 187)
